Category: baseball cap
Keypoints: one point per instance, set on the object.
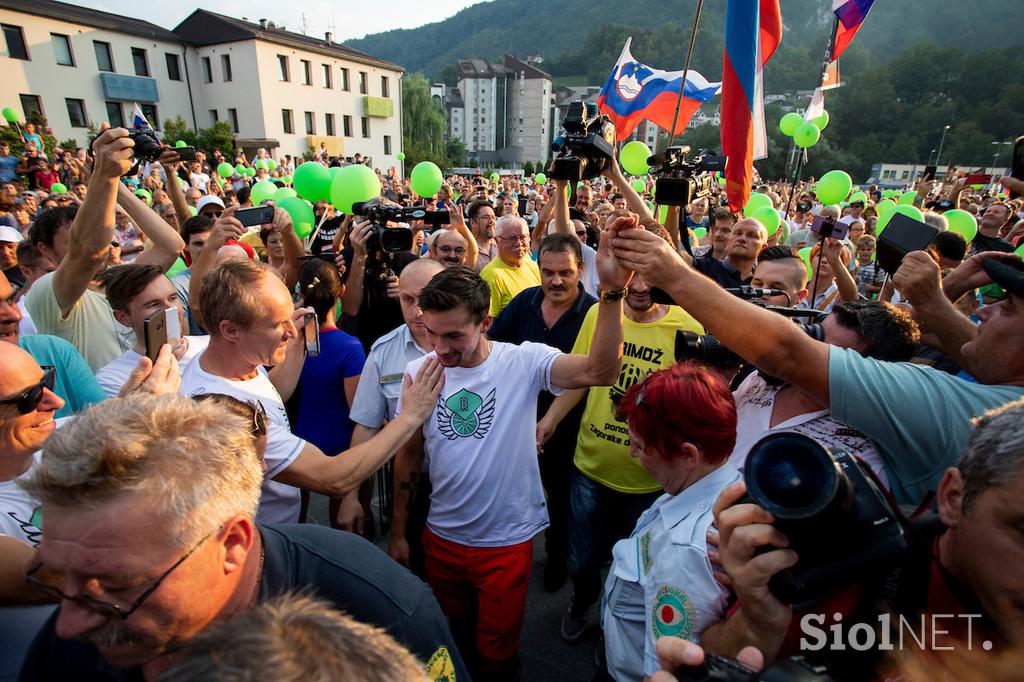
(9, 234)
(1009, 274)
(206, 201)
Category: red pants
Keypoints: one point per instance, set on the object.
(490, 580)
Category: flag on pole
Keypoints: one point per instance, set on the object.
(851, 15)
(830, 78)
(635, 92)
(753, 30)
(139, 119)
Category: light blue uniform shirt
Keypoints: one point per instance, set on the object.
(380, 384)
(661, 582)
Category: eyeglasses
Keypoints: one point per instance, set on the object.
(581, 233)
(258, 428)
(457, 250)
(524, 238)
(107, 608)
(29, 399)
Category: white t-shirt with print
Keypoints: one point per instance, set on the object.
(114, 374)
(19, 511)
(481, 450)
(279, 503)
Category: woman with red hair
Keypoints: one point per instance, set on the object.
(682, 427)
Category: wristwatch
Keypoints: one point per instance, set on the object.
(611, 296)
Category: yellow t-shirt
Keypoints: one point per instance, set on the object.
(505, 281)
(602, 447)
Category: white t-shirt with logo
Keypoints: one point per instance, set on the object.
(114, 374)
(19, 512)
(481, 450)
(279, 503)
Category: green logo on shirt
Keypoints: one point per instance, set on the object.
(465, 414)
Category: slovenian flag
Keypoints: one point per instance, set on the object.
(753, 31)
(635, 91)
(851, 15)
(138, 118)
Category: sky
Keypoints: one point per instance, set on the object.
(351, 19)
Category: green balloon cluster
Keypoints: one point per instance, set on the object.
(353, 184)
(426, 179)
(312, 182)
(282, 193)
(633, 157)
(10, 114)
(757, 200)
(821, 121)
(301, 214)
(769, 217)
(807, 135)
(833, 186)
(261, 191)
(225, 169)
(962, 223)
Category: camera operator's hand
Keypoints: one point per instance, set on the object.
(392, 284)
(645, 252)
(282, 222)
(918, 278)
(612, 273)
(170, 160)
(832, 249)
(675, 653)
(226, 228)
(158, 378)
(358, 238)
(1015, 185)
(419, 397)
(113, 150)
(743, 530)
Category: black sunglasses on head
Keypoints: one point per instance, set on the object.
(29, 399)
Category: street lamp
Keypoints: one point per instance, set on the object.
(999, 148)
(930, 155)
(941, 142)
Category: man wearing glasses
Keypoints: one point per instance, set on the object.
(151, 538)
(513, 270)
(482, 220)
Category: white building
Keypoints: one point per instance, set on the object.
(890, 175)
(280, 90)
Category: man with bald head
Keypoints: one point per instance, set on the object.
(746, 240)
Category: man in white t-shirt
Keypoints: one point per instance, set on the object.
(479, 446)
(137, 292)
(251, 321)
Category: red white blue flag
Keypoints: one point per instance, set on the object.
(635, 91)
(138, 118)
(753, 31)
(851, 15)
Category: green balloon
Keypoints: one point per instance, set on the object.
(225, 170)
(963, 223)
(540, 178)
(58, 188)
(639, 186)
(312, 181)
(426, 178)
(400, 156)
(1020, 251)
(769, 217)
(240, 169)
(805, 254)
(259, 163)
(354, 184)
(633, 157)
(885, 206)
(271, 164)
(907, 198)
(833, 186)
(180, 143)
(756, 201)
(789, 123)
(662, 213)
(10, 114)
(859, 196)
(807, 135)
(301, 214)
(250, 172)
(261, 191)
(700, 232)
(909, 211)
(334, 170)
(177, 267)
(821, 121)
(283, 193)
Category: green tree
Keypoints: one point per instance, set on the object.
(528, 168)
(423, 124)
(219, 136)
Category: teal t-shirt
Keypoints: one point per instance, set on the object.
(920, 417)
(75, 382)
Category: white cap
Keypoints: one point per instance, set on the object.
(206, 201)
(9, 234)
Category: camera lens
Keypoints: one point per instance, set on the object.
(792, 476)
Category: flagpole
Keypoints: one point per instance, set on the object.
(686, 71)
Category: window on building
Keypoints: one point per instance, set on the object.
(149, 111)
(286, 120)
(140, 61)
(346, 125)
(31, 104)
(344, 80)
(307, 72)
(327, 76)
(62, 49)
(214, 116)
(104, 60)
(115, 117)
(362, 82)
(76, 113)
(310, 123)
(16, 48)
(233, 117)
(329, 124)
(365, 122)
(282, 63)
(384, 88)
(173, 67)
(387, 145)
(207, 70)
(225, 67)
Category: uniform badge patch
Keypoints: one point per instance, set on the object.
(440, 667)
(673, 614)
(645, 552)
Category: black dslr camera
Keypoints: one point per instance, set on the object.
(717, 668)
(830, 507)
(147, 147)
(681, 181)
(586, 148)
(394, 239)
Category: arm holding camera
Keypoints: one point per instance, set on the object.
(167, 243)
(634, 201)
(352, 298)
(845, 282)
(170, 162)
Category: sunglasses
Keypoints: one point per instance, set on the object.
(29, 399)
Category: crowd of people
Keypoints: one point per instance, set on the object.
(542, 362)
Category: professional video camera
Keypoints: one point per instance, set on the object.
(717, 668)
(394, 239)
(832, 510)
(681, 181)
(586, 148)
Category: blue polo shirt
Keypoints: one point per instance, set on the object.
(522, 320)
(723, 272)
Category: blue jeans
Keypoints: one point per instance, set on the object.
(598, 518)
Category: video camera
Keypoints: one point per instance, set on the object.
(586, 148)
(680, 181)
(832, 510)
(717, 668)
(394, 239)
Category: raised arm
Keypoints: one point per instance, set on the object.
(845, 282)
(293, 248)
(635, 202)
(167, 242)
(458, 223)
(227, 227)
(93, 227)
(169, 161)
(352, 298)
(563, 224)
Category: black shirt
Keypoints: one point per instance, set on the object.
(323, 242)
(983, 243)
(522, 320)
(722, 272)
(341, 568)
(378, 314)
